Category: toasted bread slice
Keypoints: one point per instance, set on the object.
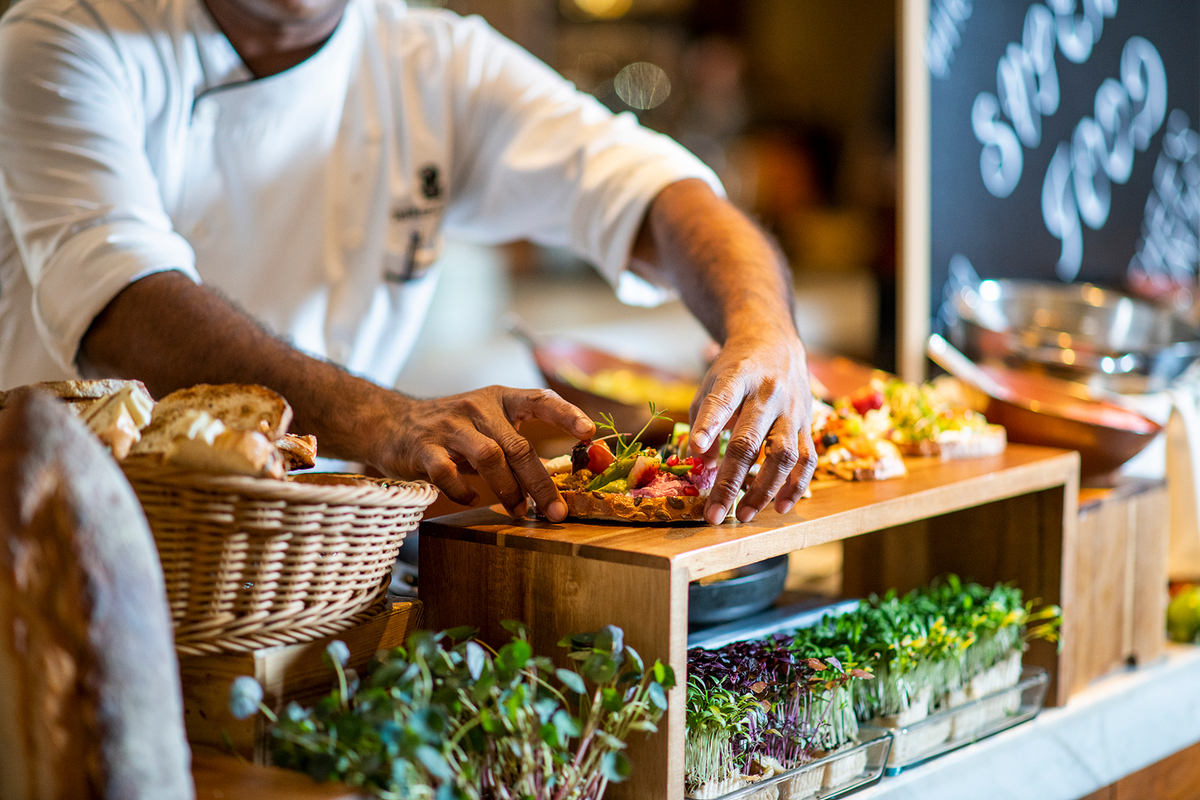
(299, 452)
(623, 508)
(239, 407)
(990, 440)
(80, 396)
(869, 459)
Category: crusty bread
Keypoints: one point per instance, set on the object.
(877, 460)
(73, 390)
(239, 407)
(968, 443)
(299, 452)
(622, 507)
(90, 700)
(229, 453)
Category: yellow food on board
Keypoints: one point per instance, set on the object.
(631, 388)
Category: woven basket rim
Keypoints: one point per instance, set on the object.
(385, 492)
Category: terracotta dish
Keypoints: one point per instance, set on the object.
(1037, 409)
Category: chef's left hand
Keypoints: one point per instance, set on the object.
(758, 385)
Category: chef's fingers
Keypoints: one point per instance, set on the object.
(741, 452)
(782, 456)
(797, 482)
(489, 459)
(546, 405)
(711, 412)
(443, 473)
(529, 471)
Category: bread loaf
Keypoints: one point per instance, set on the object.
(90, 702)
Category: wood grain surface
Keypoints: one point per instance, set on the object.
(835, 511)
(287, 673)
(221, 777)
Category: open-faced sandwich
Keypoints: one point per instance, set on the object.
(853, 447)
(926, 421)
(626, 481)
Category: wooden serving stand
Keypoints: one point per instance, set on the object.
(287, 673)
(481, 567)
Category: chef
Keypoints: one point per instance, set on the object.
(254, 191)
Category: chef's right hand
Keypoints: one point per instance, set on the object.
(439, 440)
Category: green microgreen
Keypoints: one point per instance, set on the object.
(448, 718)
(631, 447)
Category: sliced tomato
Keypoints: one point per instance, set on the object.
(866, 399)
(644, 470)
(599, 457)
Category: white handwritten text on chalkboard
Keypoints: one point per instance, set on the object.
(1027, 86)
(1077, 186)
(1168, 251)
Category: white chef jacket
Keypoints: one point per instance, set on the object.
(133, 140)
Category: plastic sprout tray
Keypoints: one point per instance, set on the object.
(952, 728)
(837, 775)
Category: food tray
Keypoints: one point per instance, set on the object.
(952, 728)
(836, 775)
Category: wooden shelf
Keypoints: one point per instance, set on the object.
(835, 511)
(481, 567)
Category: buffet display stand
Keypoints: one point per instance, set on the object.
(481, 567)
(287, 673)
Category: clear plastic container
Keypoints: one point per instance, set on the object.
(838, 774)
(952, 728)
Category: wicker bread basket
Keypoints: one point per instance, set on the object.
(253, 562)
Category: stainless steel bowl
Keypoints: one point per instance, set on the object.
(1079, 332)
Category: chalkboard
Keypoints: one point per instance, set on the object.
(1063, 140)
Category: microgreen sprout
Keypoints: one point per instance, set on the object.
(447, 717)
(634, 445)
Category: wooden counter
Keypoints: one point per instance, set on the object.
(481, 567)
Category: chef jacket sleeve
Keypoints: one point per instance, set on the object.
(537, 159)
(75, 183)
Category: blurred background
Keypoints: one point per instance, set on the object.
(791, 102)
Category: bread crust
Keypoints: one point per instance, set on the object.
(72, 390)
(625, 508)
(969, 443)
(299, 452)
(239, 407)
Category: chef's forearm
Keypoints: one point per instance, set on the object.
(725, 269)
(171, 333)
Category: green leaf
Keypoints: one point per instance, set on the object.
(336, 651)
(571, 680)
(636, 658)
(600, 668)
(461, 632)
(610, 699)
(514, 655)
(566, 725)
(476, 660)
(657, 696)
(434, 762)
(615, 766)
(244, 696)
(515, 627)
(610, 640)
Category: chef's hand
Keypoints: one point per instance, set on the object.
(759, 383)
(476, 432)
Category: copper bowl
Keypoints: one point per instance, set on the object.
(1038, 409)
(558, 359)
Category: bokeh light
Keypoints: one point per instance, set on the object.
(604, 9)
(642, 85)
